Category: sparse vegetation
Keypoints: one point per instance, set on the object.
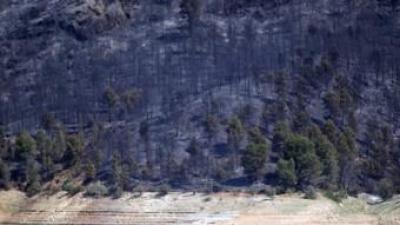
(71, 188)
(96, 189)
(200, 94)
(163, 191)
(336, 196)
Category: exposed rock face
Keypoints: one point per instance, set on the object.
(61, 57)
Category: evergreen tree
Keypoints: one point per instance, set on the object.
(255, 155)
(235, 138)
(194, 148)
(286, 173)
(191, 9)
(347, 153)
(332, 103)
(380, 143)
(44, 146)
(49, 121)
(90, 171)
(3, 144)
(130, 98)
(59, 145)
(120, 179)
(4, 175)
(386, 188)
(116, 172)
(95, 146)
(281, 134)
(281, 85)
(32, 177)
(302, 121)
(197, 158)
(25, 145)
(339, 101)
(331, 131)
(111, 97)
(75, 147)
(327, 155)
(302, 151)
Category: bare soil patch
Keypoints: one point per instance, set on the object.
(188, 208)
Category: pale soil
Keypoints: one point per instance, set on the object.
(191, 209)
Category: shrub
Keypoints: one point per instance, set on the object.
(335, 196)
(269, 191)
(96, 190)
(208, 199)
(116, 191)
(33, 188)
(386, 188)
(216, 188)
(71, 188)
(221, 173)
(310, 193)
(163, 191)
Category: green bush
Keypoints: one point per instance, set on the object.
(163, 191)
(386, 188)
(337, 196)
(71, 188)
(310, 193)
(33, 188)
(116, 191)
(269, 191)
(96, 190)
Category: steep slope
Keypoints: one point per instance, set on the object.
(151, 73)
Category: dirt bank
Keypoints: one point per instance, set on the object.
(188, 208)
